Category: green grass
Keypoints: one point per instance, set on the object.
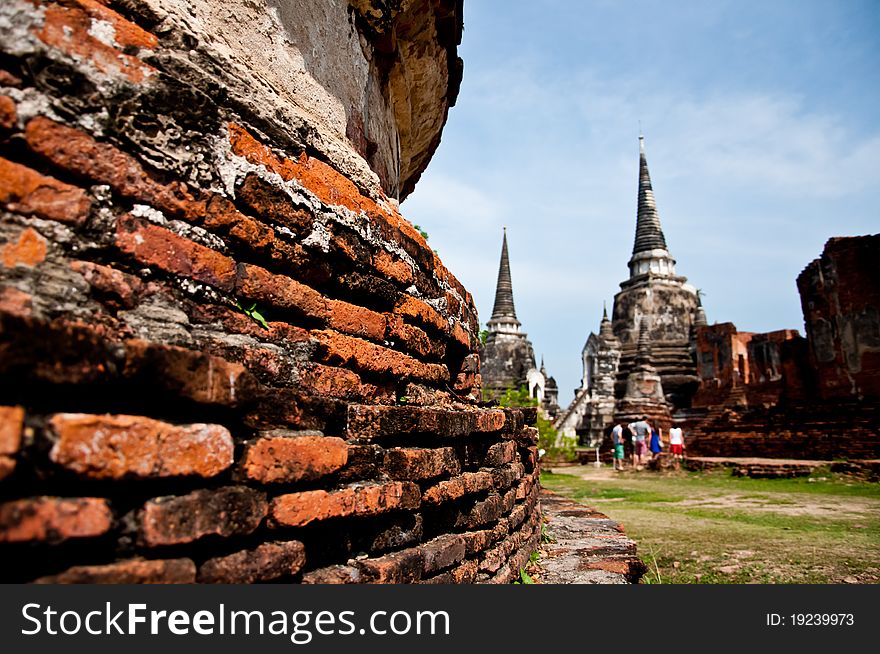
(711, 527)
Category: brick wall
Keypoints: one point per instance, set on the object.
(224, 355)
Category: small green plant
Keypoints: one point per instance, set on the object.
(422, 232)
(403, 399)
(546, 536)
(484, 334)
(253, 314)
(524, 578)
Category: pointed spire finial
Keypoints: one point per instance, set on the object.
(604, 310)
(649, 234)
(504, 289)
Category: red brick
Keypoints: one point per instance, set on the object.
(222, 217)
(120, 286)
(299, 509)
(131, 571)
(338, 349)
(68, 29)
(413, 463)
(423, 313)
(125, 33)
(8, 113)
(156, 246)
(26, 191)
(442, 552)
(53, 519)
(390, 266)
(369, 422)
(283, 456)
(101, 163)
(400, 567)
(228, 511)
(499, 454)
(490, 420)
(488, 510)
(197, 376)
(11, 428)
(355, 320)
(273, 204)
(413, 339)
(262, 286)
(117, 447)
(453, 489)
(334, 574)
(335, 382)
(265, 562)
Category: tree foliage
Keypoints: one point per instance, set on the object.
(549, 440)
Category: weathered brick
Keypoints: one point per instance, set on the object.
(499, 454)
(490, 420)
(228, 511)
(414, 463)
(156, 246)
(391, 266)
(338, 349)
(477, 541)
(357, 321)
(131, 571)
(109, 282)
(8, 112)
(453, 489)
(369, 422)
(284, 456)
(26, 191)
(506, 475)
(54, 519)
(69, 30)
(274, 204)
(413, 339)
(299, 509)
(335, 382)
(404, 530)
(442, 552)
(489, 510)
(263, 563)
(260, 285)
(119, 446)
(197, 376)
(423, 313)
(334, 574)
(11, 428)
(400, 567)
(75, 151)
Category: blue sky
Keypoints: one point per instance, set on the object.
(762, 131)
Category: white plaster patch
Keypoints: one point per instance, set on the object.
(104, 32)
(149, 213)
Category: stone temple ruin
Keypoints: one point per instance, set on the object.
(737, 394)
(507, 357)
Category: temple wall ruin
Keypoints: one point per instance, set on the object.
(779, 395)
(224, 355)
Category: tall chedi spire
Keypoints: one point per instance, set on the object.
(503, 312)
(650, 253)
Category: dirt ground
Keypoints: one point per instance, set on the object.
(711, 527)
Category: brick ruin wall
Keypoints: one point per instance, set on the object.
(224, 355)
(783, 396)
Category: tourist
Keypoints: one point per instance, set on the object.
(617, 442)
(656, 443)
(676, 445)
(639, 431)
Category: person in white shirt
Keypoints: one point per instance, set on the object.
(676, 444)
